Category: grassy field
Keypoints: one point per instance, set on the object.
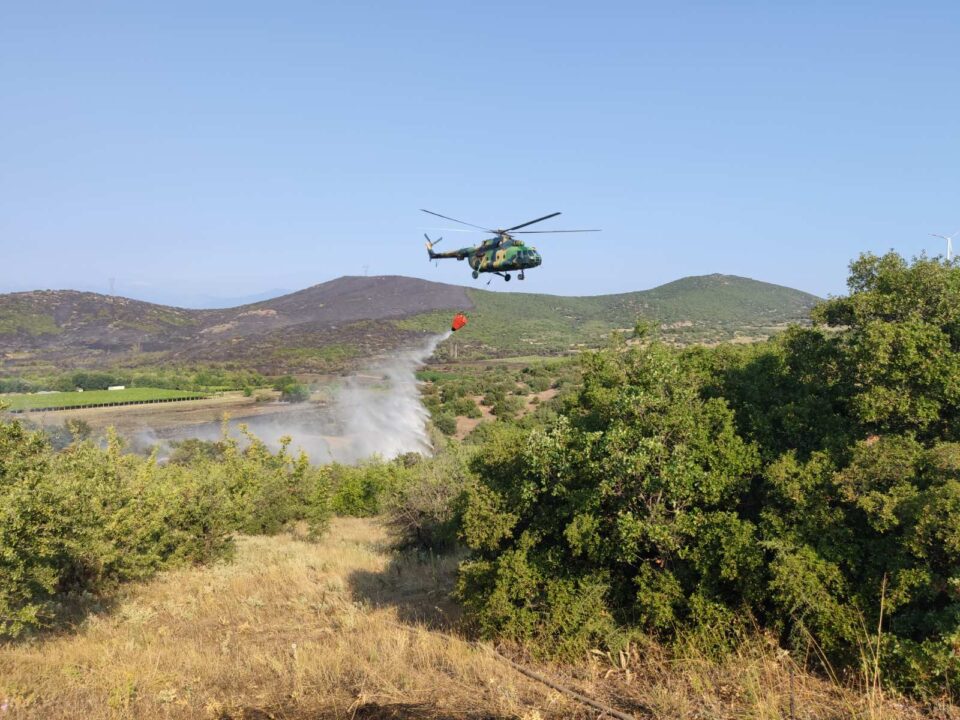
(346, 629)
(94, 398)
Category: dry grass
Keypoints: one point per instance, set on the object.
(279, 632)
(342, 629)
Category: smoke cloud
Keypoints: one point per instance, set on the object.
(375, 411)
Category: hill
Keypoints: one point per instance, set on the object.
(322, 328)
(702, 309)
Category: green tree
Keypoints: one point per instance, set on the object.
(901, 345)
(616, 511)
(811, 483)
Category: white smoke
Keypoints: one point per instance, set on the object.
(376, 411)
(386, 418)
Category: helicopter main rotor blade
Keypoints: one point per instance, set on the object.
(545, 217)
(430, 212)
(531, 232)
(475, 232)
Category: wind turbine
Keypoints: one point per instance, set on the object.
(949, 239)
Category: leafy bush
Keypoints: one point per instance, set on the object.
(465, 407)
(452, 390)
(84, 519)
(620, 505)
(507, 406)
(446, 423)
(294, 393)
(423, 512)
(283, 381)
(17, 385)
(362, 490)
(192, 450)
(539, 383)
(493, 396)
(91, 380)
(810, 484)
(271, 491)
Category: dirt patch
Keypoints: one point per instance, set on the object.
(542, 397)
(466, 425)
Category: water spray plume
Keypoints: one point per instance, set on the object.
(375, 412)
(386, 418)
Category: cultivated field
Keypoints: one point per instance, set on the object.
(167, 416)
(94, 398)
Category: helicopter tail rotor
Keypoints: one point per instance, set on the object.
(430, 243)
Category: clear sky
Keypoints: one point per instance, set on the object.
(222, 149)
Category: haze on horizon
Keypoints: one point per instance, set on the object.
(223, 151)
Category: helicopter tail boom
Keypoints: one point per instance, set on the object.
(458, 254)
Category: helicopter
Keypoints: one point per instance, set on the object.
(498, 255)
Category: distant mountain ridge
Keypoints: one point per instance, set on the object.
(326, 326)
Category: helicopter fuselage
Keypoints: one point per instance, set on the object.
(500, 254)
(496, 255)
(504, 256)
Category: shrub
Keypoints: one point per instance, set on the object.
(616, 508)
(294, 393)
(17, 385)
(272, 491)
(451, 391)
(465, 407)
(810, 485)
(446, 423)
(507, 407)
(423, 512)
(361, 490)
(538, 383)
(84, 519)
(283, 381)
(494, 394)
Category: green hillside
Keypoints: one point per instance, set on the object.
(708, 309)
(333, 326)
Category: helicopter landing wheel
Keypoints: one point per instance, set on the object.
(507, 277)
(521, 276)
(475, 274)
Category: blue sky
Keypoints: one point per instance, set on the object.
(218, 150)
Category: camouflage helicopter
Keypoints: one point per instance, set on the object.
(497, 255)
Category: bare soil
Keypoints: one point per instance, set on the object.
(466, 425)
